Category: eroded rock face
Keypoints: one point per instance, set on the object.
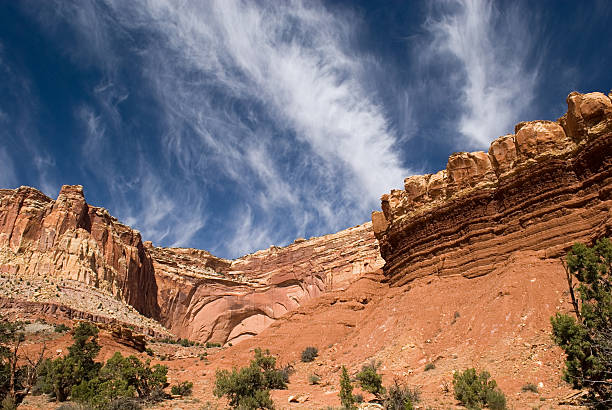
(207, 298)
(191, 292)
(70, 239)
(542, 188)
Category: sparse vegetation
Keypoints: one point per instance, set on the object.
(530, 387)
(346, 390)
(211, 344)
(400, 397)
(309, 354)
(370, 380)
(113, 385)
(429, 366)
(250, 386)
(61, 328)
(182, 389)
(314, 379)
(11, 376)
(475, 390)
(587, 337)
(59, 376)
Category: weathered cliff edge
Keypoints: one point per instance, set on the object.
(542, 188)
(70, 239)
(207, 298)
(193, 293)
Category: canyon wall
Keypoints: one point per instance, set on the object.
(207, 298)
(193, 293)
(67, 238)
(542, 188)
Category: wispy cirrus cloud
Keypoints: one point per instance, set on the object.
(264, 104)
(493, 52)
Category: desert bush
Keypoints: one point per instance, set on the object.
(400, 397)
(186, 342)
(8, 403)
(211, 344)
(309, 354)
(61, 328)
(346, 390)
(286, 372)
(250, 386)
(530, 387)
(124, 403)
(314, 379)
(182, 389)
(586, 337)
(429, 366)
(59, 376)
(121, 379)
(370, 380)
(475, 390)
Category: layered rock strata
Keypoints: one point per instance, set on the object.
(207, 298)
(70, 239)
(542, 188)
(193, 293)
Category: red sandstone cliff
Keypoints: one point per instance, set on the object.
(542, 188)
(70, 239)
(191, 292)
(206, 298)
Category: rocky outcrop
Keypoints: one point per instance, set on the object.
(70, 239)
(542, 188)
(193, 293)
(207, 298)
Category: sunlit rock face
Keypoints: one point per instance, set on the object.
(70, 239)
(206, 298)
(542, 188)
(193, 293)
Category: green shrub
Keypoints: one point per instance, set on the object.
(8, 403)
(370, 380)
(314, 379)
(586, 336)
(358, 398)
(250, 386)
(309, 354)
(115, 383)
(429, 366)
(495, 399)
(530, 387)
(59, 376)
(61, 328)
(400, 397)
(475, 390)
(121, 378)
(346, 390)
(186, 342)
(211, 344)
(182, 389)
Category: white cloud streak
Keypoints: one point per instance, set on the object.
(493, 50)
(261, 100)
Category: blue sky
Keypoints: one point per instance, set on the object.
(234, 125)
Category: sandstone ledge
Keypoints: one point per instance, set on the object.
(542, 188)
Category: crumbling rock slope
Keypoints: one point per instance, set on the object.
(542, 188)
